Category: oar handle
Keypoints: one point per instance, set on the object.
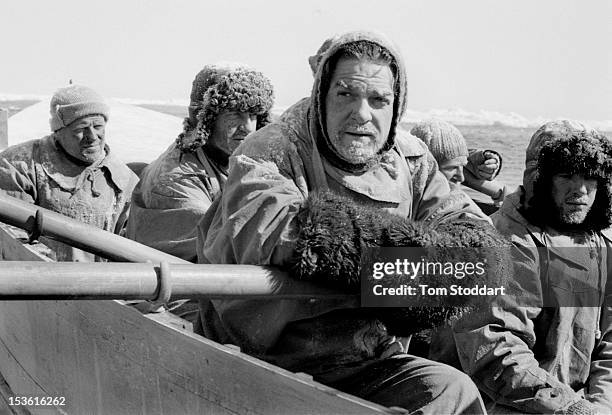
(53, 225)
(21, 280)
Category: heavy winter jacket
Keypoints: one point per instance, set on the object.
(41, 173)
(271, 176)
(174, 192)
(536, 358)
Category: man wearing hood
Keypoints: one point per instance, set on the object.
(72, 171)
(228, 102)
(548, 348)
(307, 193)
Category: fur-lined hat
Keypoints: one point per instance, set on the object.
(584, 153)
(222, 87)
(573, 151)
(551, 131)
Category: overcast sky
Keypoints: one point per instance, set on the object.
(547, 58)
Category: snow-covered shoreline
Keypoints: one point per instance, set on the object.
(455, 116)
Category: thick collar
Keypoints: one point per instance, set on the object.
(66, 172)
(512, 206)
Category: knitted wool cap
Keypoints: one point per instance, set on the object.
(224, 87)
(444, 140)
(73, 102)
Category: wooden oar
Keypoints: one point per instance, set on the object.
(107, 245)
(66, 280)
(27, 280)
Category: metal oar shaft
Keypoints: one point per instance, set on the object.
(21, 280)
(21, 214)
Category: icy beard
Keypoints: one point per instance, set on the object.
(543, 211)
(571, 217)
(357, 151)
(563, 218)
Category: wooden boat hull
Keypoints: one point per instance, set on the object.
(106, 358)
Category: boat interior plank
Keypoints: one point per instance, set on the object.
(107, 358)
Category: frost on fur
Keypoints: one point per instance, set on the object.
(334, 233)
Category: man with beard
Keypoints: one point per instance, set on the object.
(548, 347)
(227, 103)
(72, 171)
(309, 193)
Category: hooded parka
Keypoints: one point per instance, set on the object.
(271, 176)
(525, 352)
(178, 187)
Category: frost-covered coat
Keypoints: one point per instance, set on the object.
(550, 341)
(536, 358)
(271, 175)
(41, 173)
(174, 192)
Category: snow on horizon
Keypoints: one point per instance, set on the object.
(456, 116)
(133, 133)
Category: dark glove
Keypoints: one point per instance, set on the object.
(450, 242)
(333, 232)
(484, 164)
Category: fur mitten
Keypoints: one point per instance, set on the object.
(456, 242)
(335, 232)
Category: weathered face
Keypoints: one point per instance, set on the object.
(84, 138)
(573, 196)
(359, 108)
(453, 169)
(230, 128)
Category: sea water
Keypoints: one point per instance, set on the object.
(510, 142)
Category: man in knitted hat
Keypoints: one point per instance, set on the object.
(475, 169)
(228, 102)
(548, 347)
(307, 193)
(72, 171)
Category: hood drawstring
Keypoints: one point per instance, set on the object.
(388, 163)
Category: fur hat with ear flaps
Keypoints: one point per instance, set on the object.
(335, 233)
(585, 152)
(222, 87)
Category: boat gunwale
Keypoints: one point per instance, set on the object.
(228, 352)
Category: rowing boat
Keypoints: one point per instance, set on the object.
(103, 357)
